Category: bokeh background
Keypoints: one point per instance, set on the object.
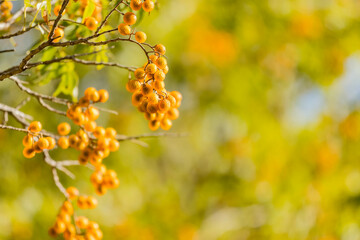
(271, 106)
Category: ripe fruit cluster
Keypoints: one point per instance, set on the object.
(34, 142)
(103, 179)
(5, 9)
(74, 228)
(159, 106)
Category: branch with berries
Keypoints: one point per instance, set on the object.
(76, 33)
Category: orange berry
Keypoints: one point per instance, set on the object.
(96, 178)
(57, 10)
(149, 116)
(81, 202)
(159, 76)
(42, 143)
(79, 118)
(63, 142)
(73, 192)
(148, 5)
(103, 143)
(28, 141)
(93, 113)
(73, 140)
(65, 217)
(152, 97)
(59, 226)
(110, 132)
(29, 152)
(35, 127)
(146, 89)
(159, 86)
(135, 5)
(91, 202)
(166, 69)
(140, 37)
(95, 161)
(164, 105)
(98, 234)
(103, 95)
(143, 105)
(99, 132)
(92, 226)
(82, 222)
(160, 49)
(166, 124)
(133, 85)
(139, 73)
(89, 92)
(114, 145)
(91, 23)
(67, 207)
(58, 35)
(151, 68)
(6, 6)
(129, 18)
(159, 116)
(152, 108)
(137, 98)
(52, 232)
(51, 141)
(90, 126)
(100, 190)
(83, 102)
(173, 113)
(172, 100)
(113, 183)
(64, 128)
(124, 29)
(153, 58)
(154, 125)
(161, 62)
(176, 95)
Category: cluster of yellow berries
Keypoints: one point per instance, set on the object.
(34, 142)
(76, 228)
(159, 106)
(95, 147)
(5, 8)
(103, 179)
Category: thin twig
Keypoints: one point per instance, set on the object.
(150, 135)
(7, 50)
(18, 32)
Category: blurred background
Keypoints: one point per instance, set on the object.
(271, 106)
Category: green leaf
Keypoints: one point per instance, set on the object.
(48, 7)
(27, 3)
(89, 9)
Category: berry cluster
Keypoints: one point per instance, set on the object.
(149, 94)
(5, 8)
(74, 228)
(34, 142)
(94, 142)
(103, 179)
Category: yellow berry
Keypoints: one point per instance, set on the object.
(124, 29)
(129, 18)
(140, 37)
